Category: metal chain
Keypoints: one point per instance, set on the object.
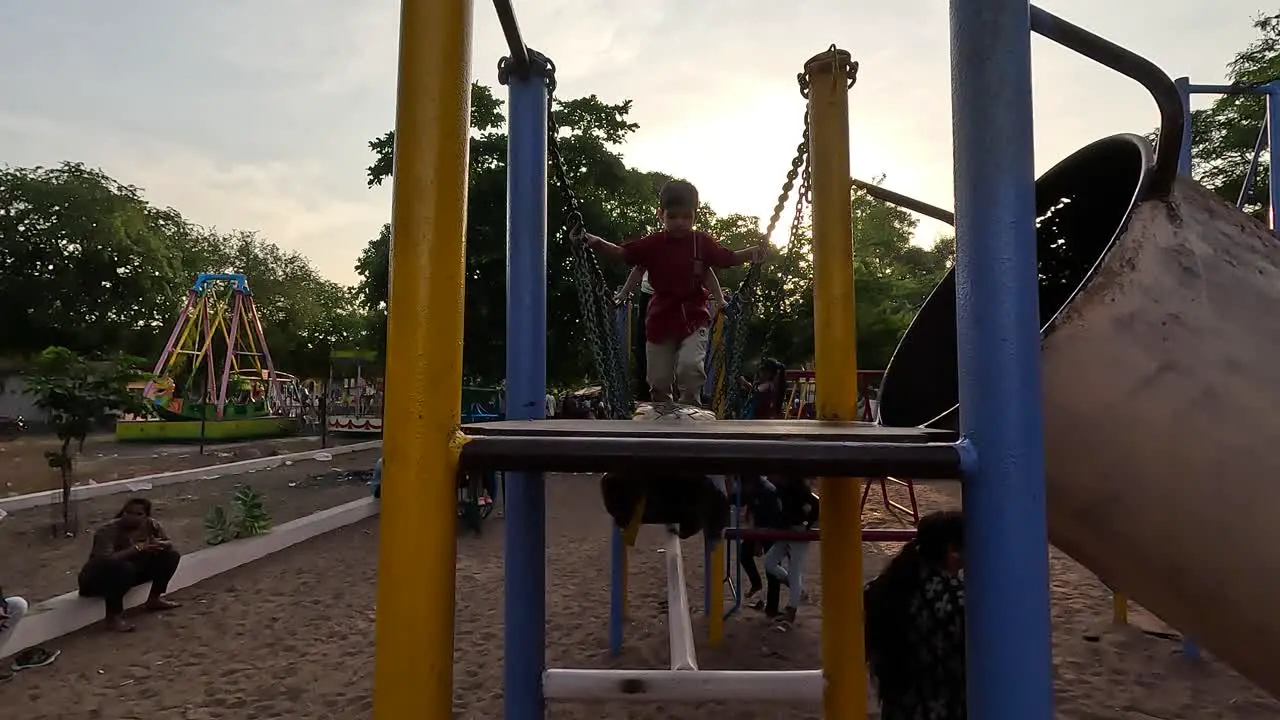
(728, 360)
(594, 296)
(743, 303)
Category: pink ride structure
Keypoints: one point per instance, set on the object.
(216, 370)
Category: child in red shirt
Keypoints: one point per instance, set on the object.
(678, 259)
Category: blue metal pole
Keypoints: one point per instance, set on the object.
(1184, 158)
(1007, 569)
(618, 548)
(1273, 151)
(617, 591)
(1251, 175)
(526, 528)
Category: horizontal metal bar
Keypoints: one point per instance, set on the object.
(1226, 90)
(684, 653)
(1126, 62)
(906, 202)
(868, 534)
(709, 455)
(515, 40)
(647, 686)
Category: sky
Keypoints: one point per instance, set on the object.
(257, 115)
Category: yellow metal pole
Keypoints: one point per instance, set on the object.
(413, 661)
(715, 576)
(835, 346)
(1120, 609)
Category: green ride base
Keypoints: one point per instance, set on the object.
(173, 431)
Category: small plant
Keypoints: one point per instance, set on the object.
(248, 517)
(75, 391)
(217, 526)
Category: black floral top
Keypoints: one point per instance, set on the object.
(937, 635)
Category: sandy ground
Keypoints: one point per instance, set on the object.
(37, 565)
(291, 637)
(23, 468)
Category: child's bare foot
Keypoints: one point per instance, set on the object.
(160, 604)
(118, 624)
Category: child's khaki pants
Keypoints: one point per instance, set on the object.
(679, 362)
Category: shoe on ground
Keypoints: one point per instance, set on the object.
(35, 657)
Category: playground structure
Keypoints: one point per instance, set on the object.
(1115, 210)
(355, 395)
(1267, 138)
(802, 394)
(215, 379)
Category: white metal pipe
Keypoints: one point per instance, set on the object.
(684, 655)
(789, 686)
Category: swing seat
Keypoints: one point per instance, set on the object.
(691, 503)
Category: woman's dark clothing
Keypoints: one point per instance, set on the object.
(747, 551)
(766, 513)
(798, 503)
(111, 578)
(936, 636)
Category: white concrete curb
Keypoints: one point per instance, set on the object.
(115, 487)
(68, 613)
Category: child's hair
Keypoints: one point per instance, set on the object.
(888, 597)
(678, 195)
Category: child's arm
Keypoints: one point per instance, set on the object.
(629, 287)
(717, 255)
(604, 247)
(712, 283)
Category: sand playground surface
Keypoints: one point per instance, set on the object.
(291, 637)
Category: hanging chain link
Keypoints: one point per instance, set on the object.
(728, 364)
(594, 297)
(728, 358)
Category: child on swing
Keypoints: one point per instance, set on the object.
(678, 260)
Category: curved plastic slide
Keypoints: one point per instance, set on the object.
(1161, 372)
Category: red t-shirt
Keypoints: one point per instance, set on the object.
(677, 270)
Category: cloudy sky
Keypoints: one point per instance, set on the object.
(256, 115)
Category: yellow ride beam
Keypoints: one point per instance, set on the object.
(715, 576)
(413, 662)
(1120, 609)
(835, 350)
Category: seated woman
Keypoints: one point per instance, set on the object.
(131, 550)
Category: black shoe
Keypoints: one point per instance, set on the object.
(785, 620)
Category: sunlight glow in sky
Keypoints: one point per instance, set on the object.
(256, 115)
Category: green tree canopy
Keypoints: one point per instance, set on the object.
(1223, 134)
(87, 264)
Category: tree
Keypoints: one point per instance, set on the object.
(303, 314)
(616, 202)
(1223, 135)
(892, 275)
(85, 262)
(75, 392)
